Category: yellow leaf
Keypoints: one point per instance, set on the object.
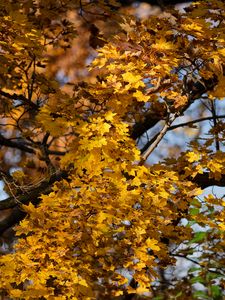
(109, 116)
(134, 81)
(101, 217)
(193, 156)
(162, 44)
(195, 192)
(118, 293)
(140, 96)
(16, 293)
(18, 176)
(142, 290)
(222, 226)
(152, 244)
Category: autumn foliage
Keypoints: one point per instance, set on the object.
(100, 203)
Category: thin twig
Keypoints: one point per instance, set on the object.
(195, 121)
(34, 192)
(178, 126)
(19, 97)
(159, 137)
(18, 145)
(214, 117)
(195, 262)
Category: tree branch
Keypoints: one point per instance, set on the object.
(151, 146)
(55, 152)
(33, 196)
(204, 181)
(21, 146)
(16, 215)
(197, 89)
(19, 97)
(17, 145)
(178, 126)
(43, 188)
(150, 120)
(195, 262)
(194, 121)
(213, 110)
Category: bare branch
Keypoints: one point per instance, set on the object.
(213, 110)
(21, 145)
(55, 152)
(194, 121)
(158, 138)
(12, 144)
(43, 188)
(14, 218)
(195, 262)
(150, 120)
(196, 91)
(203, 180)
(19, 97)
(178, 126)
(17, 213)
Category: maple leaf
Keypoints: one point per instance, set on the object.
(95, 218)
(140, 96)
(162, 44)
(134, 81)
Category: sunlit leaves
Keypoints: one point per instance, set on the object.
(140, 96)
(132, 80)
(113, 212)
(162, 44)
(192, 156)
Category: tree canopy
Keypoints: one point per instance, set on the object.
(112, 126)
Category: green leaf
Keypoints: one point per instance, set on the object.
(216, 292)
(197, 279)
(199, 236)
(201, 295)
(194, 269)
(210, 276)
(190, 223)
(178, 294)
(195, 202)
(194, 211)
